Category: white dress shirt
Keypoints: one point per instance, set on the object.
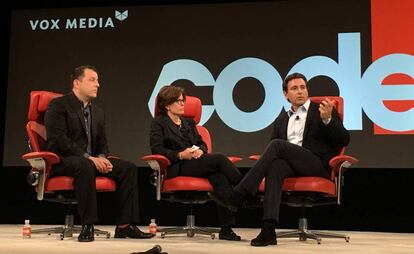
(296, 124)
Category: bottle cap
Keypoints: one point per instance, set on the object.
(26, 221)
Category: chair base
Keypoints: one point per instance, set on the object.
(303, 233)
(67, 230)
(190, 229)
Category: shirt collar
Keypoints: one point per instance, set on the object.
(304, 108)
(81, 102)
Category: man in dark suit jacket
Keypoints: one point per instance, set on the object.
(75, 130)
(304, 139)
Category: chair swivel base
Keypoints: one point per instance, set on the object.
(303, 233)
(190, 229)
(67, 230)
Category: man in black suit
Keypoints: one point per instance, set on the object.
(75, 130)
(304, 139)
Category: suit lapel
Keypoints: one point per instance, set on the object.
(171, 125)
(94, 124)
(312, 112)
(187, 129)
(74, 103)
(284, 126)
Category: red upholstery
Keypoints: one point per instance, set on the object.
(206, 137)
(61, 183)
(186, 183)
(39, 100)
(314, 184)
(192, 108)
(36, 131)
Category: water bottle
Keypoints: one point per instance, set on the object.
(27, 229)
(153, 227)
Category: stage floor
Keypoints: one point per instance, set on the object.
(12, 242)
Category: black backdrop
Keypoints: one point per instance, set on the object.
(374, 199)
(131, 56)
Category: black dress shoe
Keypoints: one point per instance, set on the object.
(265, 238)
(87, 234)
(231, 201)
(228, 234)
(131, 232)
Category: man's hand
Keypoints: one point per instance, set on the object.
(102, 164)
(325, 109)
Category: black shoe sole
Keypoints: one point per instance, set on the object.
(263, 244)
(86, 240)
(141, 237)
(236, 239)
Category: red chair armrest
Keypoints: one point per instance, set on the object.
(234, 159)
(337, 161)
(49, 157)
(159, 164)
(255, 157)
(162, 161)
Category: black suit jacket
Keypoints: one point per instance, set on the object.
(66, 130)
(168, 140)
(322, 140)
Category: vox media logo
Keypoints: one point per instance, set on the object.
(121, 16)
(77, 23)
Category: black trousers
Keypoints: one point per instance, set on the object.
(280, 160)
(84, 172)
(221, 173)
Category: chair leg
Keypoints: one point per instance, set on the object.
(332, 235)
(287, 234)
(68, 229)
(303, 233)
(64, 231)
(190, 229)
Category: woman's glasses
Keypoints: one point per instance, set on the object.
(180, 101)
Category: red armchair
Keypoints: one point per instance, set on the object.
(306, 192)
(57, 189)
(184, 189)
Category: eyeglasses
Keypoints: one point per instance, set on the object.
(180, 101)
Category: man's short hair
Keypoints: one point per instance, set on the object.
(79, 72)
(293, 76)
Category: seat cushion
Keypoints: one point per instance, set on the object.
(186, 183)
(60, 183)
(311, 184)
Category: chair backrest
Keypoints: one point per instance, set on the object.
(193, 110)
(35, 128)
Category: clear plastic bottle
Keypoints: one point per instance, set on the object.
(153, 227)
(27, 229)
